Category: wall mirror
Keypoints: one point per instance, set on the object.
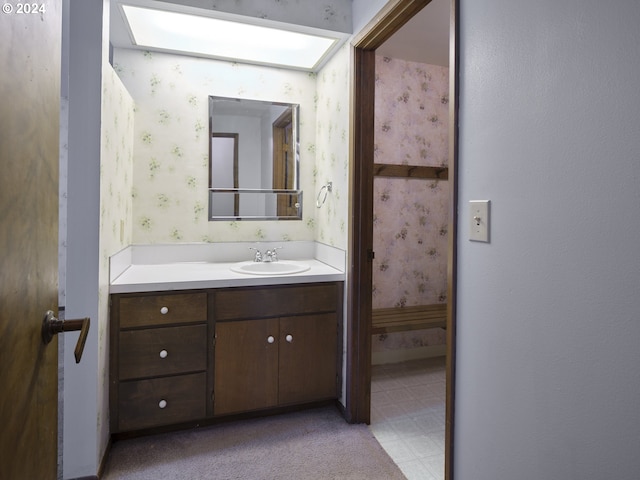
(253, 160)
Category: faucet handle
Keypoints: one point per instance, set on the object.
(258, 256)
(274, 254)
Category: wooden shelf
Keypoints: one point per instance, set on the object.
(410, 171)
(401, 319)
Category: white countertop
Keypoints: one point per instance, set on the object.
(196, 275)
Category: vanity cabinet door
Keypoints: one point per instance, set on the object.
(308, 358)
(275, 362)
(246, 366)
(276, 346)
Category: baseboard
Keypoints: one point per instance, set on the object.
(405, 354)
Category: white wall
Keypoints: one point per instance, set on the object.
(80, 441)
(548, 377)
(364, 11)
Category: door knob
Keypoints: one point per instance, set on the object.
(52, 326)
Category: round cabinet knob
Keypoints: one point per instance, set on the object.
(270, 339)
(289, 338)
(163, 354)
(164, 310)
(162, 403)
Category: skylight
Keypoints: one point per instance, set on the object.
(224, 39)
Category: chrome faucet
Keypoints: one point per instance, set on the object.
(258, 256)
(269, 256)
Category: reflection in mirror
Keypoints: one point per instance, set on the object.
(224, 161)
(238, 204)
(253, 160)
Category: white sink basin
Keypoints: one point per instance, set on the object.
(270, 268)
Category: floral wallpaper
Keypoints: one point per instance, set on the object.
(410, 215)
(116, 180)
(171, 150)
(332, 152)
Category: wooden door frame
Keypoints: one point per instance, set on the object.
(358, 382)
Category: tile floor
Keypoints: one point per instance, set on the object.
(408, 415)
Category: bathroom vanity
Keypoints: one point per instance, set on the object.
(230, 345)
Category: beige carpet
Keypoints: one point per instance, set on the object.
(314, 444)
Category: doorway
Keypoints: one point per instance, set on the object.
(359, 343)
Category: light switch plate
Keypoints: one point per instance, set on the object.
(479, 220)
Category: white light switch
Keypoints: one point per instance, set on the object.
(479, 220)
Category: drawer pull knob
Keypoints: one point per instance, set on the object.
(270, 339)
(164, 310)
(289, 338)
(163, 354)
(162, 403)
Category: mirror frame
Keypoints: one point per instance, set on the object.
(288, 201)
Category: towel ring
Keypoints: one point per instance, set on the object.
(327, 188)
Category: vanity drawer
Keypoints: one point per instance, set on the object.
(161, 401)
(162, 351)
(246, 303)
(146, 310)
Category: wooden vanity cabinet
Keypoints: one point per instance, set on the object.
(159, 359)
(276, 346)
(190, 356)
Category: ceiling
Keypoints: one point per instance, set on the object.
(424, 38)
